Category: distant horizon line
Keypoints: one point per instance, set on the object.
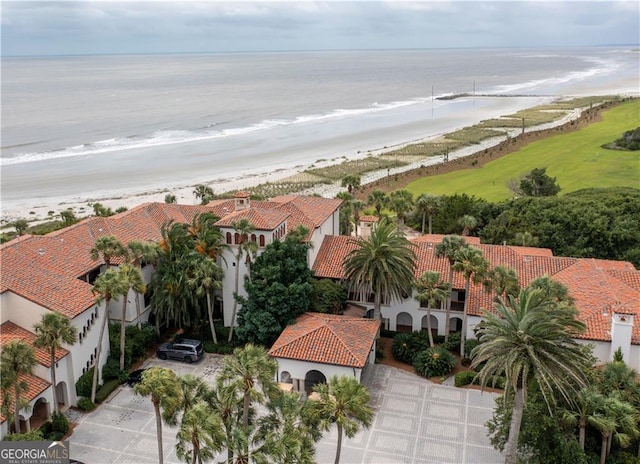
(329, 50)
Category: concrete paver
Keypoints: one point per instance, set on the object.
(416, 422)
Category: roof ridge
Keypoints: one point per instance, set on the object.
(348, 348)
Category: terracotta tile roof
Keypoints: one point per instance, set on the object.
(242, 195)
(10, 332)
(531, 251)
(35, 386)
(327, 339)
(593, 283)
(262, 219)
(46, 269)
(367, 218)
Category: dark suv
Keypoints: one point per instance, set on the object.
(182, 349)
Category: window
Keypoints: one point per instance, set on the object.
(261, 240)
(253, 237)
(229, 238)
(236, 238)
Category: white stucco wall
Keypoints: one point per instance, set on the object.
(299, 369)
(20, 311)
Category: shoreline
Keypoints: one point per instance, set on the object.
(38, 211)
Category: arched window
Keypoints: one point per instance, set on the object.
(253, 237)
(236, 238)
(229, 238)
(261, 240)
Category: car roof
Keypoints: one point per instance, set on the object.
(187, 341)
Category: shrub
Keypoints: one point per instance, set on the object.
(454, 342)
(434, 362)
(419, 341)
(83, 385)
(464, 378)
(85, 404)
(328, 296)
(387, 333)
(106, 390)
(219, 348)
(140, 340)
(379, 350)
(59, 423)
(111, 370)
(34, 435)
(438, 339)
(470, 345)
(402, 349)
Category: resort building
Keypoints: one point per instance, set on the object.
(56, 273)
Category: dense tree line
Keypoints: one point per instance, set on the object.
(598, 223)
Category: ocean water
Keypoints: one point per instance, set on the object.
(88, 125)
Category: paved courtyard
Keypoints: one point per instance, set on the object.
(416, 422)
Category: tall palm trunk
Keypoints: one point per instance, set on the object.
(582, 432)
(210, 314)
(424, 218)
(138, 315)
(245, 410)
(123, 332)
(53, 379)
(196, 450)
(94, 383)
(377, 309)
(511, 448)
(447, 322)
(429, 325)
(339, 446)
(463, 335)
(16, 405)
(430, 220)
(603, 450)
(235, 302)
(156, 408)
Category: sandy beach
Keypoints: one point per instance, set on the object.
(238, 177)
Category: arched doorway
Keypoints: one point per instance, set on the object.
(434, 324)
(61, 395)
(455, 324)
(285, 377)
(41, 413)
(312, 379)
(404, 322)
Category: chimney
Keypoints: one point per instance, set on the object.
(621, 331)
(242, 201)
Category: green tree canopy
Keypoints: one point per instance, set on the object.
(278, 290)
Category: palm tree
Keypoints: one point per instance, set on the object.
(208, 239)
(204, 193)
(107, 286)
(472, 264)
(207, 278)
(584, 411)
(108, 247)
(525, 239)
(503, 280)
(531, 338)
(224, 401)
(346, 209)
(448, 249)
(552, 289)
(382, 263)
(288, 430)
(427, 205)
(345, 402)
(20, 225)
(251, 372)
(193, 389)
(242, 229)
(468, 223)
(18, 360)
(200, 435)
(352, 182)
(162, 386)
(52, 331)
(401, 202)
(378, 199)
(170, 198)
(132, 278)
(139, 252)
(431, 291)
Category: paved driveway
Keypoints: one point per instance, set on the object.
(416, 422)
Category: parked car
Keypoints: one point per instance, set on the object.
(183, 350)
(135, 377)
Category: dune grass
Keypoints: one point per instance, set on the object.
(575, 159)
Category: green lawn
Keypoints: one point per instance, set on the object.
(576, 160)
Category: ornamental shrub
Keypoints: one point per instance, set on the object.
(434, 362)
(402, 349)
(469, 345)
(464, 378)
(59, 423)
(419, 341)
(85, 404)
(34, 435)
(454, 342)
(111, 370)
(106, 390)
(83, 385)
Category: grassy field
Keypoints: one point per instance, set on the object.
(575, 159)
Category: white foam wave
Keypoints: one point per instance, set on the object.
(171, 137)
(601, 67)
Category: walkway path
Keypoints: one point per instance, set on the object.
(416, 422)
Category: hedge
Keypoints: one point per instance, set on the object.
(464, 378)
(106, 390)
